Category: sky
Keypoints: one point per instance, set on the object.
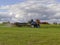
(25, 10)
(9, 2)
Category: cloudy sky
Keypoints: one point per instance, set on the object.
(24, 10)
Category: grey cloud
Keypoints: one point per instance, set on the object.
(32, 9)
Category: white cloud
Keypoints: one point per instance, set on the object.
(33, 9)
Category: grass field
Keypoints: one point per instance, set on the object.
(46, 35)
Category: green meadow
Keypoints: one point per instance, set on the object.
(45, 35)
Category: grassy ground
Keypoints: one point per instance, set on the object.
(46, 35)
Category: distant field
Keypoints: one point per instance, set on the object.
(46, 35)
